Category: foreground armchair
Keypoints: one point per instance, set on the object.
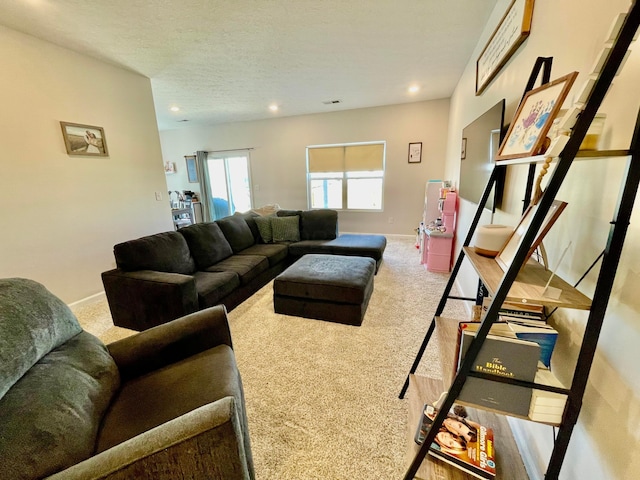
(166, 403)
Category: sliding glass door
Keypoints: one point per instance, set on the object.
(229, 182)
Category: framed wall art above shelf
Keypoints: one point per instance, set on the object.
(513, 29)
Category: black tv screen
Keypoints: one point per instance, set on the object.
(480, 142)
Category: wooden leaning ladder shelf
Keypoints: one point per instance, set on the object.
(513, 283)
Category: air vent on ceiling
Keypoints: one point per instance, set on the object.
(183, 120)
(332, 102)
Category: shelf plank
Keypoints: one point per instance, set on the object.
(508, 461)
(529, 283)
(581, 155)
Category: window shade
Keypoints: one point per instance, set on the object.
(360, 158)
(351, 158)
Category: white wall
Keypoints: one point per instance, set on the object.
(62, 214)
(572, 32)
(278, 164)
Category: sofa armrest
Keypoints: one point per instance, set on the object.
(202, 444)
(171, 342)
(142, 299)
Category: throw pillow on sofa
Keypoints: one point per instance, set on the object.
(285, 229)
(264, 227)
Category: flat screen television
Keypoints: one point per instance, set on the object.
(480, 142)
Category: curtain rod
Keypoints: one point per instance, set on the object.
(229, 150)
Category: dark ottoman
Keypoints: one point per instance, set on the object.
(326, 287)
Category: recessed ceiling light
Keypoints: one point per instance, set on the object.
(175, 109)
(414, 89)
(273, 107)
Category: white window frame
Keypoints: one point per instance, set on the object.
(345, 177)
(224, 155)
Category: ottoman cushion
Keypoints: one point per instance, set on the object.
(326, 287)
(326, 277)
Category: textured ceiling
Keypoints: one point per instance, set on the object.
(227, 61)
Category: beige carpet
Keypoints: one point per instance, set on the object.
(322, 398)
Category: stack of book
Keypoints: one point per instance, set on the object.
(528, 322)
(547, 407)
(505, 357)
(505, 354)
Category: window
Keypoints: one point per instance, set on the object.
(348, 176)
(230, 184)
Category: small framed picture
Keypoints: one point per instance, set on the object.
(169, 168)
(192, 171)
(415, 152)
(508, 252)
(535, 114)
(86, 140)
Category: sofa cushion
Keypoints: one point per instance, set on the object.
(49, 420)
(207, 243)
(33, 322)
(203, 378)
(250, 217)
(275, 252)
(318, 224)
(285, 229)
(237, 232)
(162, 252)
(264, 227)
(214, 286)
(246, 266)
(288, 213)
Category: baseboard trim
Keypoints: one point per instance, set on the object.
(89, 300)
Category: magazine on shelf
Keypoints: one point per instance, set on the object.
(460, 441)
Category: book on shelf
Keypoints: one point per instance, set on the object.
(498, 328)
(460, 441)
(505, 357)
(546, 406)
(544, 335)
(528, 311)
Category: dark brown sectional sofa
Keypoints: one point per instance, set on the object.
(168, 275)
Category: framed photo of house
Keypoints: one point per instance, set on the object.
(415, 152)
(192, 171)
(536, 112)
(508, 252)
(513, 29)
(85, 140)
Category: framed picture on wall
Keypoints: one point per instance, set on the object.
(86, 140)
(415, 152)
(192, 171)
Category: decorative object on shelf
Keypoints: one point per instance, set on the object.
(192, 171)
(508, 252)
(415, 152)
(169, 168)
(84, 140)
(513, 29)
(533, 119)
(491, 238)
